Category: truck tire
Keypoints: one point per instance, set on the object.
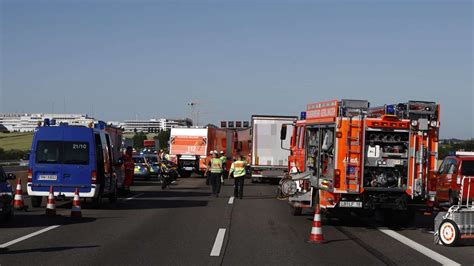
(113, 195)
(296, 211)
(186, 174)
(96, 202)
(36, 201)
(449, 233)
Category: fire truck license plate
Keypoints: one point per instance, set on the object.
(350, 204)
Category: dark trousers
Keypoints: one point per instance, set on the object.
(239, 186)
(215, 183)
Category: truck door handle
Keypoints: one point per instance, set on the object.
(67, 175)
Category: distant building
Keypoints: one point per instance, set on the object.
(18, 122)
(154, 125)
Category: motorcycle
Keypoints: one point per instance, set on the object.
(168, 173)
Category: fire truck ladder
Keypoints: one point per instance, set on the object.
(354, 151)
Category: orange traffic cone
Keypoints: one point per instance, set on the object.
(317, 229)
(76, 206)
(51, 206)
(18, 203)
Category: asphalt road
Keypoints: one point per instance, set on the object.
(181, 226)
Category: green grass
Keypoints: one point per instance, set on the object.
(16, 141)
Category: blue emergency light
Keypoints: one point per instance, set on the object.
(390, 109)
(303, 116)
(46, 122)
(100, 125)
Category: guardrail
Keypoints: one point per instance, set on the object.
(9, 163)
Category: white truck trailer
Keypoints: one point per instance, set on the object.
(269, 160)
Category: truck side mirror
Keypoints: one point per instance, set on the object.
(11, 176)
(283, 132)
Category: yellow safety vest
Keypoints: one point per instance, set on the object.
(238, 168)
(224, 160)
(216, 166)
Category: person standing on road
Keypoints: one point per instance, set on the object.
(238, 170)
(215, 167)
(224, 167)
(129, 166)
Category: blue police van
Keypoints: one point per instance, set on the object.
(70, 157)
(6, 195)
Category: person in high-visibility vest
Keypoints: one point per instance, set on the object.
(238, 170)
(215, 168)
(224, 165)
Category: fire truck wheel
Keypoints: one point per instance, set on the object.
(36, 201)
(449, 233)
(296, 211)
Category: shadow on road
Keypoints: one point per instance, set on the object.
(25, 221)
(148, 204)
(6, 251)
(172, 193)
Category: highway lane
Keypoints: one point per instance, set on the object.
(180, 226)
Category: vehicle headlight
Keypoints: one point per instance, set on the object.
(414, 123)
(434, 123)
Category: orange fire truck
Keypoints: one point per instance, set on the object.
(362, 158)
(190, 148)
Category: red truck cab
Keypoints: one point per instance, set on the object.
(450, 177)
(296, 160)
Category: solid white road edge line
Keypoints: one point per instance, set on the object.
(136, 196)
(420, 248)
(216, 249)
(231, 200)
(23, 238)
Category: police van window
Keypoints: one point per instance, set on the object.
(76, 153)
(467, 168)
(48, 152)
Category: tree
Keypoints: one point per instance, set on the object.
(138, 140)
(163, 137)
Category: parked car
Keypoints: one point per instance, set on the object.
(6, 195)
(450, 175)
(142, 169)
(152, 162)
(71, 157)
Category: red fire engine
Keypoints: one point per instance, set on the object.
(363, 158)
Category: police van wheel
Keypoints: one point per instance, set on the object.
(113, 196)
(36, 201)
(9, 215)
(449, 233)
(96, 202)
(296, 211)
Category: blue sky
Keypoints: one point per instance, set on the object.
(127, 59)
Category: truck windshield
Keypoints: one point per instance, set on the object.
(467, 168)
(152, 159)
(139, 160)
(67, 152)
